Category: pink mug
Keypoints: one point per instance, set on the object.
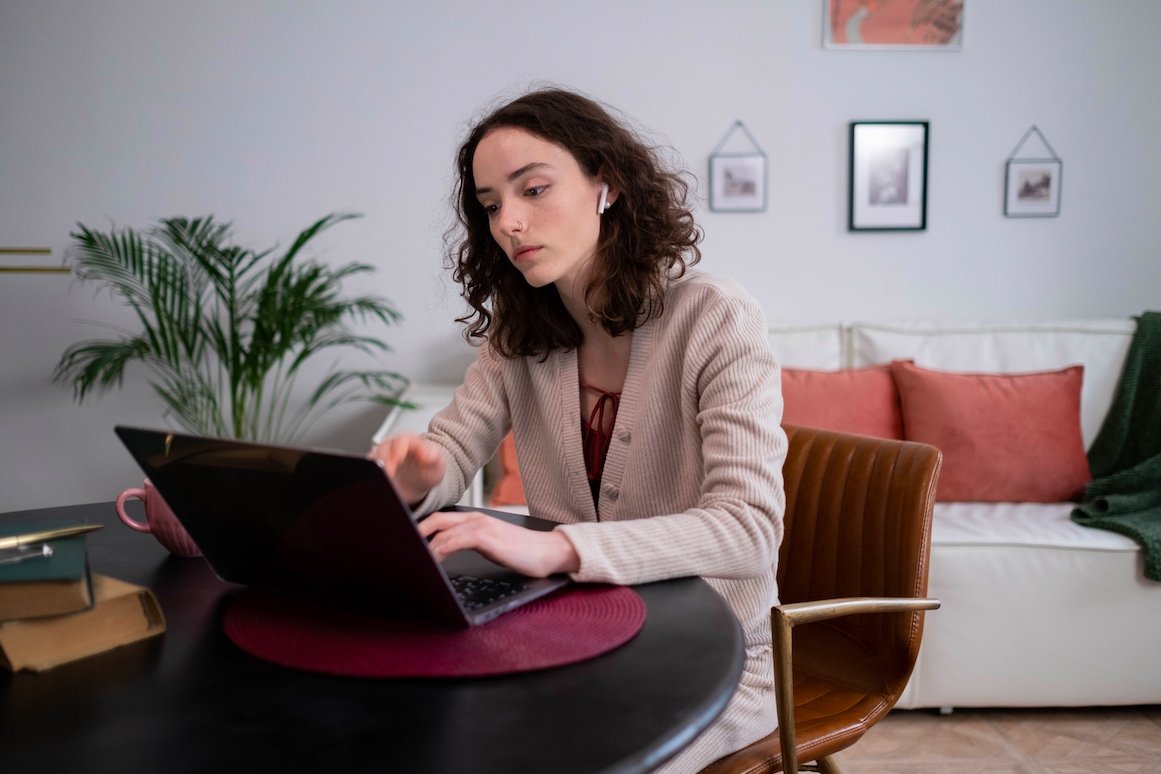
(161, 523)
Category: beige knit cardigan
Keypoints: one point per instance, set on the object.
(692, 484)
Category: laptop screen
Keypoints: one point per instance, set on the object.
(306, 519)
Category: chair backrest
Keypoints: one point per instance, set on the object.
(858, 524)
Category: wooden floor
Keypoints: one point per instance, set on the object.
(1011, 741)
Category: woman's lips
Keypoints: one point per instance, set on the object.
(525, 253)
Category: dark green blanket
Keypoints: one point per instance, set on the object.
(1125, 458)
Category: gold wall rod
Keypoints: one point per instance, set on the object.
(31, 268)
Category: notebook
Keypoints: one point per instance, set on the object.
(323, 524)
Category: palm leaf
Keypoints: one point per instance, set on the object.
(98, 365)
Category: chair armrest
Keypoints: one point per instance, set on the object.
(783, 619)
(820, 610)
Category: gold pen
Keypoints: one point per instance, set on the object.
(13, 541)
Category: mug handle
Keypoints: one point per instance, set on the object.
(125, 517)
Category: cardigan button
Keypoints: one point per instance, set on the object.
(624, 436)
(610, 492)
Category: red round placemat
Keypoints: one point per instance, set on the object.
(574, 624)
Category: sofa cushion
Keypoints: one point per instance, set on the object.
(1100, 345)
(1036, 612)
(1004, 437)
(1031, 525)
(858, 400)
(807, 346)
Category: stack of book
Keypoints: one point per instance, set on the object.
(53, 609)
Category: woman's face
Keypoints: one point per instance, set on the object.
(541, 206)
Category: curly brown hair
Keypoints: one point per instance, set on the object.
(648, 238)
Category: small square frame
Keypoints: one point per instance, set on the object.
(738, 182)
(888, 176)
(1032, 188)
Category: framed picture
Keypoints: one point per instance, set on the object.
(1032, 188)
(888, 176)
(738, 182)
(933, 25)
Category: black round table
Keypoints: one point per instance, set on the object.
(190, 701)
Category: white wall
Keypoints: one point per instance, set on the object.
(271, 114)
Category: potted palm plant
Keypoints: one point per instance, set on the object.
(224, 331)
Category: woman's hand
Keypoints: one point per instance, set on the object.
(531, 552)
(414, 464)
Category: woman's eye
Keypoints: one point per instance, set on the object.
(491, 209)
(535, 190)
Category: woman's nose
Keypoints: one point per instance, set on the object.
(511, 219)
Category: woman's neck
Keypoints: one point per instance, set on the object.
(602, 358)
(603, 363)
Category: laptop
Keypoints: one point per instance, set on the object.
(323, 524)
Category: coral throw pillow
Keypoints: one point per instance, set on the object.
(1004, 437)
(863, 401)
(509, 489)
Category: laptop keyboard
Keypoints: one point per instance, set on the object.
(476, 593)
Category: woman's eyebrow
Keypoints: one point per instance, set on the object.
(518, 173)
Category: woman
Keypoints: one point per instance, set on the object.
(643, 397)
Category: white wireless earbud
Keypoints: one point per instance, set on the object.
(601, 206)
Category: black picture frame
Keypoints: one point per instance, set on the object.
(1032, 188)
(887, 183)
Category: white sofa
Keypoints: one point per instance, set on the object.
(1037, 610)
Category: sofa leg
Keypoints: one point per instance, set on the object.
(946, 710)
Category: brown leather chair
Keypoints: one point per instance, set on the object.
(858, 536)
